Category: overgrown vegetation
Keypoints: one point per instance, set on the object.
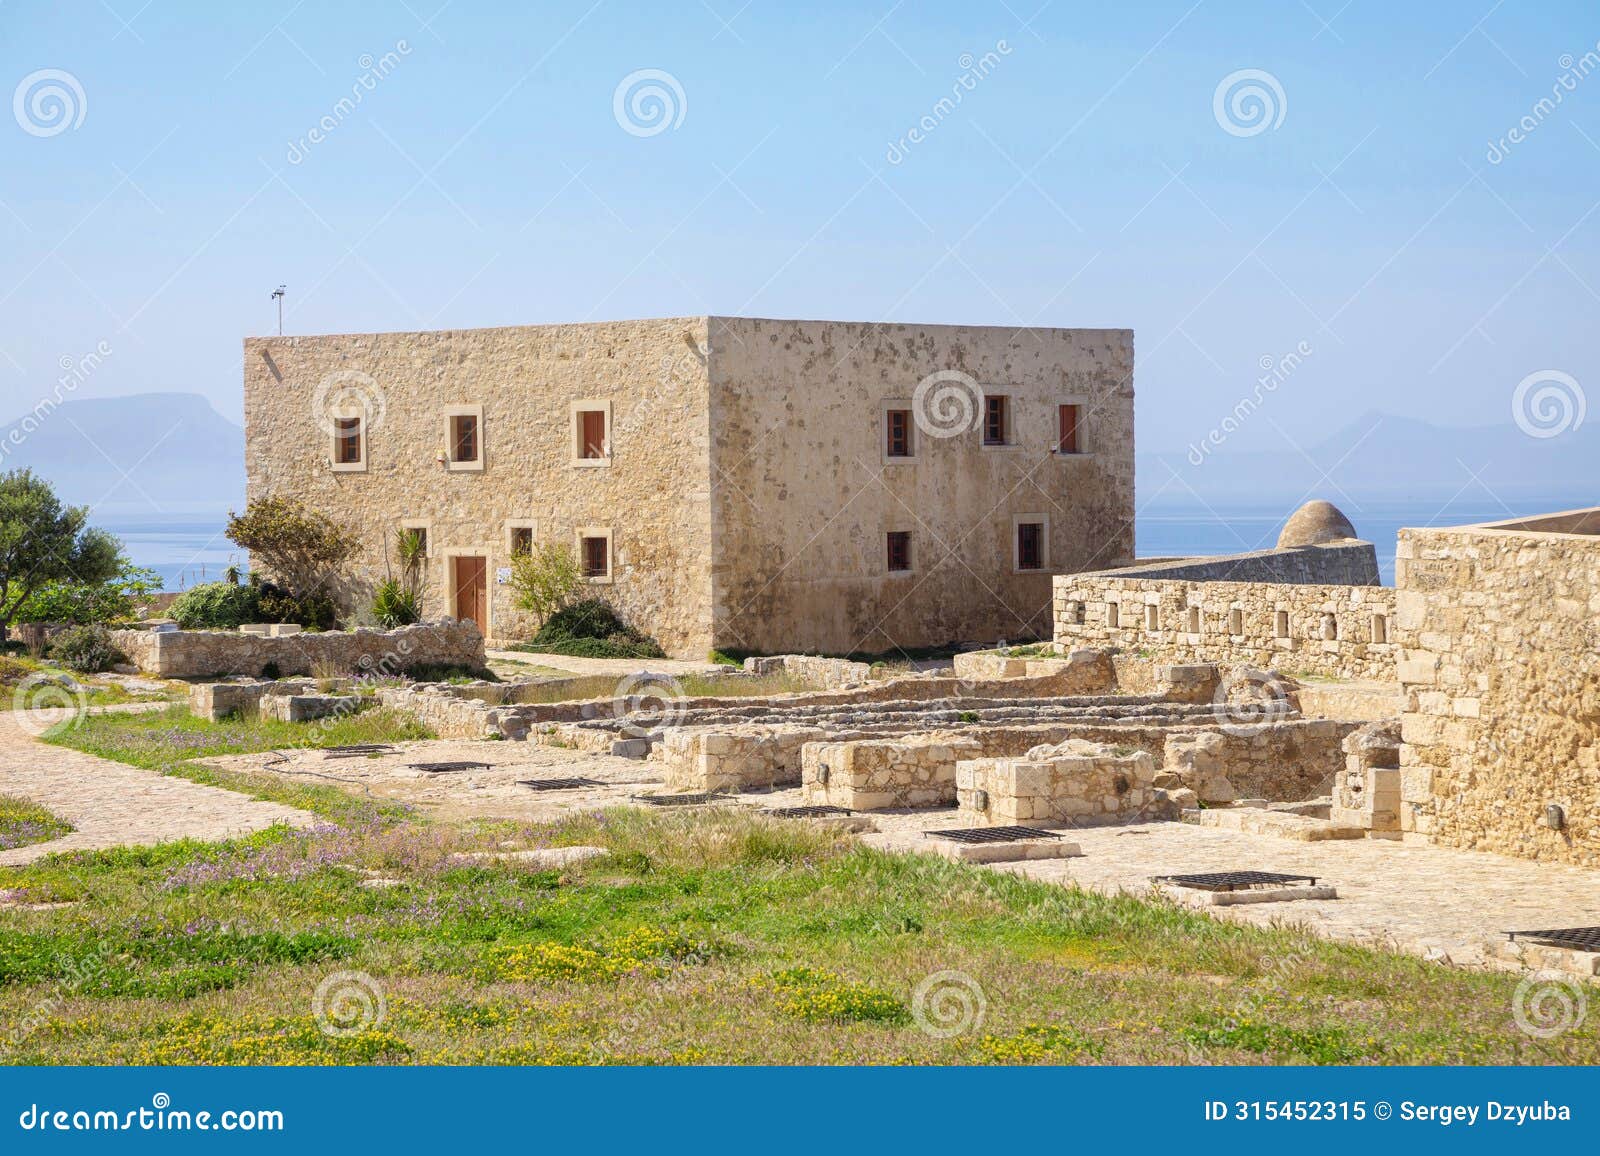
(86, 649)
(217, 606)
(591, 629)
(43, 542)
(23, 823)
(545, 579)
(718, 937)
(303, 549)
(394, 604)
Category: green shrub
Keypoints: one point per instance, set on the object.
(592, 629)
(314, 611)
(218, 606)
(86, 649)
(395, 605)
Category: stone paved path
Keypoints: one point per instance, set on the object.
(112, 804)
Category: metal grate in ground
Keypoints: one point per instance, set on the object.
(1235, 880)
(355, 750)
(686, 800)
(807, 812)
(1576, 938)
(446, 768)
(991, 834)
(558, 784)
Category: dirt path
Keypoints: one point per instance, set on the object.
(112, 804)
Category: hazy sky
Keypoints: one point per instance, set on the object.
(1077, 166)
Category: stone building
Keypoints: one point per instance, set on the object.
(725, 482)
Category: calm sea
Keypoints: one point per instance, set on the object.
(191, 547)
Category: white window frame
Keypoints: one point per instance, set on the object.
(358, 466)
(426, 526)
(883, 433)
(582, 532)
(911, 551)
(1085, 444)
(513, 524)
(590, 405)
(1011, 442)
(1044, 542)
(475, 466)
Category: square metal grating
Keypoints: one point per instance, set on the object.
(558, 784)
(355, 750)
(807, 812)
(991, 834)
(1235, 880)
(1576, 938)
(445, 768)
(686, 800)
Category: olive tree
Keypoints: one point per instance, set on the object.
(44, 542)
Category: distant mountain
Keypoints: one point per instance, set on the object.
(144, 455)
(1382, 456)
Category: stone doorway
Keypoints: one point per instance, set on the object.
(470, 580)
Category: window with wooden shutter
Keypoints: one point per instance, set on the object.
(1068, 432)
(996, 421)
(596, 558)
(899, 433)
(347, 441)
(521, 540)
(1030, 546)
(899, 550)
(592, 434)
(464, 438)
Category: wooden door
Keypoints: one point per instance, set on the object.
(472, 590)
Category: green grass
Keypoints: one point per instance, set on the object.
(23, 823)
(717, 937)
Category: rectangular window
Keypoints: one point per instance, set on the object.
(596, 557)
(1068, 423)
(1235, 621)
(996, 420)
(521, 540)
(1380, 628)
(899, 549)
(347, 441)
(1113, 615)
(1152, 618)
(464, 438)
(1281, 624)
(899, 433)
(592, 434)
(1030, 546)
(1194, 620)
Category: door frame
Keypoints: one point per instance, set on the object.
(450, 555)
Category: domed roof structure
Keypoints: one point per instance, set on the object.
(1314, 523)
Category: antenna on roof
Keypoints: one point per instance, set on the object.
(277, 295)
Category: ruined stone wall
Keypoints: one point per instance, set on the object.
(1076, 782)
(1501, 675)
(805, 495)
(1283, 762)
(218, 653)
(1349, 562)
(1238, 622)
(653, 496)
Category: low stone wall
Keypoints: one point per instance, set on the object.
(1074, 782)
(1338, 631)
(1349, 562)
(215, 701)
(220, 653)
(877, 774)
(1283, 761)
(1367, 792)
(710, 760)
(832, 673)
(1078, 672)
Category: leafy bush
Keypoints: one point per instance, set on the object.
(395, 605)
(301, 547)
(82, 603)
(86, 649)
(592, 629)
(314, 611)
(545, 579)
(217, 606)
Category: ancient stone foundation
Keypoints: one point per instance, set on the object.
(1367, 792)
(1074, 782)
(222, 653)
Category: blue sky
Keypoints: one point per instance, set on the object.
(1085, 179)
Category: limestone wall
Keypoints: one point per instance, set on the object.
(1284, 761)
(1332, 630)
(832, 673)
(805, 496)
(653, 497)
(1076, 782)
(1349, 562)
(735, 760)
(876, 774)
(1501, 675)
(219, 653)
